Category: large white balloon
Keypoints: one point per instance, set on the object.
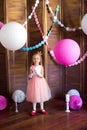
(13, 36)
(18, 96)
(73, 92)
(84, 24)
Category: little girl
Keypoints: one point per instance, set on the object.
(38, 90)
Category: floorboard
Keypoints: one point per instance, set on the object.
(56, 119)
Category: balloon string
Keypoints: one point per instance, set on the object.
(66, 82)
(13, 69)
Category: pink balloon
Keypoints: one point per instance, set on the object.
(75, 102)
(3, 102)
(67, 51)
(1, 25)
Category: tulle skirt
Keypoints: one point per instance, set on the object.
(37, 90)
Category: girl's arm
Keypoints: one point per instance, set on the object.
(30, 73)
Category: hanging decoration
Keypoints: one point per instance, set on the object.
(80, 60)
(84, 20)
(36, 46)
(31, 14)
(33, 47)
(45, 38)
(58, 21)
(53, 15)
(38, 23)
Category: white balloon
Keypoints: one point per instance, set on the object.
(18, 96)
(73, 92)
(84, 24)
(13, 36)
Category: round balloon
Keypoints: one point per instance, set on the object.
(73, 92)
(1, 25)
(13, 36)
(84, 24)
(75, 102)
(3, 102)
(67, 51)
(18, 96)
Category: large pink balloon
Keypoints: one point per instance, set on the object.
(67, 51)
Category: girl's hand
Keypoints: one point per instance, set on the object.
(40, 75)
(30, 75)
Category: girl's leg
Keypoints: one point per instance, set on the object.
(43, 111)
(34, 106)
(33, 113)
(42, 106)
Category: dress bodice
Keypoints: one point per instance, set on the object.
(36, 68)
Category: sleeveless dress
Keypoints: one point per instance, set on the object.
(37, 88)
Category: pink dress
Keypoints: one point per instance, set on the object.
(37, 89)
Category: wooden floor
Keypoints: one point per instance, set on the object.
(56, 119)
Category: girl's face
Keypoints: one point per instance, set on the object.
(36, 59)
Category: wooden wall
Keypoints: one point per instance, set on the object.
(16, 10)
(60, 78)
(34, 35)
(73, 77)
(3, 57)
(54, 70)
(84, 50)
